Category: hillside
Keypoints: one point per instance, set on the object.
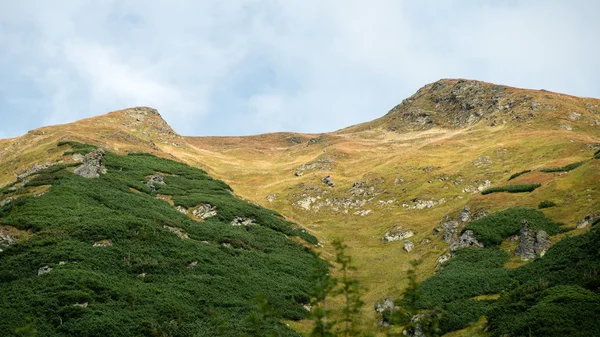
(418, 167)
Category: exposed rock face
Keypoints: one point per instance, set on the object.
(9, 235)
(44, 270)
(397, 234)
(92, 165)
(327, 181)
(103, 243)
(532, 242)
(477, 186)
(467, 239)
(205, 211)
(588, 220)
(465, 214)
(181, 209)
(155, 179)
(408, 246)
(444, 258)
(177, 231)
(241, 221)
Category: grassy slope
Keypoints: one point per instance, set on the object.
(145, 282)
(260, 165)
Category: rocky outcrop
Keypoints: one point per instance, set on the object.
(466, 239)
(532, 243)
(204, 211)
(477, 186)
(272, 197)
(396, 234)
(241, 221)
(588, 220)
(423, 204)
(9, 235)
(33, 170)
(44, 270)
(181, 209)
(383, 305)
(155, 179)
(92, 165)
(103, 243)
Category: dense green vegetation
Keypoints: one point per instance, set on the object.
(512, 188)
(518, 174)
(554, 295)
(546, 204)
(565, 168)
(597, 154)
(493, 229)
(149, 281)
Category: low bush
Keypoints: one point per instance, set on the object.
(512, 189)
(546, 204)
(565, 168)
(518, 174)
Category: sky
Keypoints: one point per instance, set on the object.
(255, 66)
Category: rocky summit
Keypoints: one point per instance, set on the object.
(469, 209)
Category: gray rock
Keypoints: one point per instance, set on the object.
(205, 211)
(408, 246)
(443, 258)
(396, 234)
(35, 168)
(465, 214)
(103, 243)
(466, 239)
(272, 197)
(192, 265)
(77, 157)
(44, 270)
(181, 209)
(92, 165)
(241, 221)
(385, 304)
(81, 305)
(177, 231)
(327, 181)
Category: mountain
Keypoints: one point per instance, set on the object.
(413, 178)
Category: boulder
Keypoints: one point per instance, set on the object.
(383, 305)
(588, 220)
(532, 242)
(92, 165)
(103, 243)
(155, 179)
(272, 197)
(396, 234)
(44, 270)
(408, 246)
(465, 214)
(327, 181)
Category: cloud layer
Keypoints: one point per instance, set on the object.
(250, 66)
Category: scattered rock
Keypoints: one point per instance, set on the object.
(314, 141)
(363, 212)
(467, 239)
(103, 243)
(44, 270)
(82, 305)
(272, 197)
(588, 220)
(478, 186)
(204, 211)
(396, 234)
(482, 161)
(92, 165)
(531, 242)
(155, 179)
(423, 204)
(408, 246)
(442, 259)
(177, 231)
(327, 181)
(398, 181)
(565, 126)
(241, 221)
(181, 209)
(574, 116)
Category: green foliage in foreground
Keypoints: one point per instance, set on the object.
(493, 229)
(512, 188)
(518, 174)
(565, 168)
(554, 295)
(546, 204)
(149, 282)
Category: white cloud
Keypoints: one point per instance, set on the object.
(252, 66)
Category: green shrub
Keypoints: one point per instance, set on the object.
(565, 168)
(546, 204)
(495, 228)
(512, 189)
(145, 282)
(518, 174)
